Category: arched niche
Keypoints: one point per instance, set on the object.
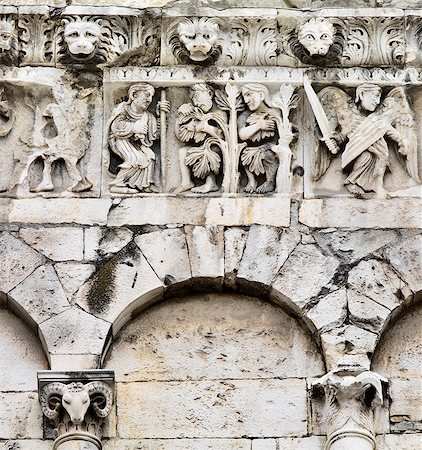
(21, 356)
(213, 365)
(398, 357)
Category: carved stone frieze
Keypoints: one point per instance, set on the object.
(36, 38)
(44, 150)
(9, 51)
(77, 404)
(373, 129)
(351, 397)
(231, 135)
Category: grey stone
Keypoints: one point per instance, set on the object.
(18, 260)
(41, 294)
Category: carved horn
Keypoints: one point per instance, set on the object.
(100, 394)
(51, 394)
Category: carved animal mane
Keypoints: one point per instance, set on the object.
(331, 58)
(180, 51)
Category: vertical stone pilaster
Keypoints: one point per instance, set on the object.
(351, 397)
(77, 403)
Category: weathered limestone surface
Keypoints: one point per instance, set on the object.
(17, 262)
(239, 338)
(58, 244)
(17, 372)
(179, 177)
(20, 415)
(235, 407)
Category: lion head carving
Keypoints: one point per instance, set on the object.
(317, 42)
(317, 36)
(196, 40)
(86, 40)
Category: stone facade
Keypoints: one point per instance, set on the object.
(210, 225)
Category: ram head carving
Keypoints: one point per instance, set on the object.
(75, 399)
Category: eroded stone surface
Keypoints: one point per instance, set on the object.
(41, 294)
(20, 415)
(171, 262)
(406, 258)
(266, 251)
(214, 337)
(62, 333)
(17, 262)
(73, 275)
(305, 273)
(178, 444)
(234, 407)
(18, 372)
(58, 244)
(206, 250)
(330, 311)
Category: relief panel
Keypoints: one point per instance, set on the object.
(364, 135)
(233, 134)
(47, 147)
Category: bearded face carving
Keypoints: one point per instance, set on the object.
(7, 32)
(196, 40)
(317, 36)
(81, 38)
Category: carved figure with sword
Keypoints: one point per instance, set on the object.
(364, 130)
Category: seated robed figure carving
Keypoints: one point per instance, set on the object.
(132, 132)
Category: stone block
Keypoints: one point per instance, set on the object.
(75, 332)
(167, 253)
(330, 311)
(234, 246)
(21, 354)
(26, 444)
(348, 345)
(308, 443)
(236, 408)
(305, 273)
(399, 441)
(69, 362)
(365, 312)
(267, 249)
(103, 242)
(201, 211)
(18, 260)
(20, 415)
(264, 444)
(87, 211)
(206, 251)
(355, 213)
(406, 395)
(58, 244)
(376, 280)
(73, 275)
(125, 281)
(214, 336)
(352, 245)
(41, 294)
(178, 444)
(406, 258)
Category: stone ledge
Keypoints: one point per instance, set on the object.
(355, 213)
(156, 210)
(58, 210)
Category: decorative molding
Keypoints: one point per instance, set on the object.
(351, 397)
(77, 403)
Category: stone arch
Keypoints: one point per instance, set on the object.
(21, 356)
(240, 358)
(398, 357)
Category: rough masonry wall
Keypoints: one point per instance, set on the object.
(219, 201)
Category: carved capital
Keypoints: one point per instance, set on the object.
(351, 397)
(77, 403)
